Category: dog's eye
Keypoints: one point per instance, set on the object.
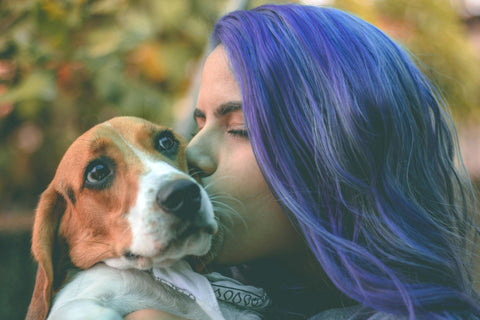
(98, 174)
(165, 142)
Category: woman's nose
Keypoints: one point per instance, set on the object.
(200, 157)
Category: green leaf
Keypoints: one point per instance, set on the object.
(37, 85)
(104, 41)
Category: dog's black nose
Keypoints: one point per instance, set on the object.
(180, 197)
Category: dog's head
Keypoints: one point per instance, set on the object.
(120, 195)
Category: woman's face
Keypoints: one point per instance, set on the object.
(256, 226)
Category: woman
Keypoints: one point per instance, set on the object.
(338, 158)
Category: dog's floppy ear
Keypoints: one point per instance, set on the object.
(47, 250)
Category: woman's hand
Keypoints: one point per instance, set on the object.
(150, 314)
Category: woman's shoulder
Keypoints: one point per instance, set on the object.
(355, 313)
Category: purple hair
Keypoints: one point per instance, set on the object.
(360, 151)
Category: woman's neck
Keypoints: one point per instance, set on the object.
(292, 279)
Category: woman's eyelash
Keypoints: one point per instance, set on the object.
(238, 133)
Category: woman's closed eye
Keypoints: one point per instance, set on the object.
(238, 133)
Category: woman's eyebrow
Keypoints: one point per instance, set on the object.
(228, 107)
(222, 110)
(198, 114)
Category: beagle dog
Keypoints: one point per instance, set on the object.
(121, 202)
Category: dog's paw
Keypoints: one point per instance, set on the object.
(84, 310)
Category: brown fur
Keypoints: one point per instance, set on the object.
(77, 226)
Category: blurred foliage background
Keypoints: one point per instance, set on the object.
(66, 65)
